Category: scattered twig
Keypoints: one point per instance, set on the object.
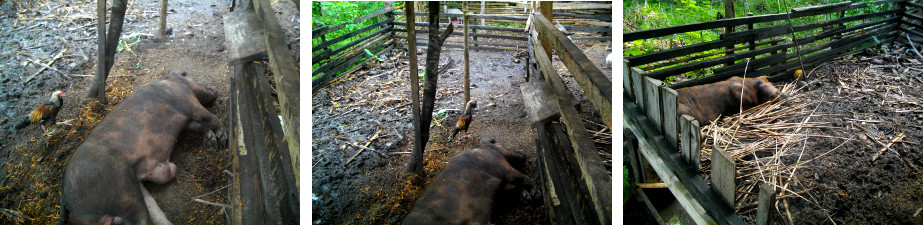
(212, 203)
(913, 47)
(886, 147)
(53, 59)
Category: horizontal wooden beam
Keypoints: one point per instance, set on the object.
(596, 87)
(424, 25)
(472, 16)
(589, 166)
(339, 59)
(459, 33)
(350, 34)
(458, 44)
(324, 55)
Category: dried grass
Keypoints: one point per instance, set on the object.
(758, 139)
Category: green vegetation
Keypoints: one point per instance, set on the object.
(648, 14)
(627, 183)
(334, 13)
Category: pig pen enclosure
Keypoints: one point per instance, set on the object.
(843, 149)
(362, 132)
(52, 45)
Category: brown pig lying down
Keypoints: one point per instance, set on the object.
(708, 101)
(464, 191)
(102, 181)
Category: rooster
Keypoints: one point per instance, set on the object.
(465, 119)
(45, 113)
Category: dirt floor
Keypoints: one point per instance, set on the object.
(353, 187)
(31, 165)
(871, 99)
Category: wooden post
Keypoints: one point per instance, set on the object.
(414, 84)
(728, 14)
(767, 201)
(723, 172)
(163, 17)
(390, 15)
(467, 72)
(545, 9)
(98, 89)
(752, 40)
(670, 120)
(691, 140)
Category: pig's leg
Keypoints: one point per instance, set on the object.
(204, 121)
(155, 212)
(156, 171)
(516, 179)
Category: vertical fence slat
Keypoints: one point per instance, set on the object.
(652, 100)
(670, 121)
(637, 76)
(690, 140)
(722, 175)
(626, 82)
(767, 201)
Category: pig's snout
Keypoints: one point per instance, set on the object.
(488, 141)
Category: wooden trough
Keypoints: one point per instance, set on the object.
(264, 187)
(669, 144)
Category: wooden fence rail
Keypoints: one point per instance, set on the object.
(767, 49)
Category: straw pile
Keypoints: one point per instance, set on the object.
(759, 137)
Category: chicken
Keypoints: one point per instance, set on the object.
(464, 121)
(45, 113)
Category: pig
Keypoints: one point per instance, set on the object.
(708, 101)
(132, 144)
(464, 191)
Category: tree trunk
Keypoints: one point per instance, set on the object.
(416, 158)
(107, 43)
(429, 87)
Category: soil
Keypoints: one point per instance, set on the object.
(31, 165)
(877, 91)
(352, 186)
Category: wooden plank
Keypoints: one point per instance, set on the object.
(652, 100)
(339, 60)
(457, 34)
(681, 51)
(479, 27)
(660, 32)
(539, 102)
(632, 155)
(592, 173)
(559, 195)
(328, 30)
(249, 209)
(287, 80)
(596, 87)
(325, 55)
(370, 15)
(316, 32)
(458, 45)
(723, 172)
(823, 55)
(584, 16)
(771, 60)
(767, 201)
(691, 141)
(819, 36)
(576, 37)
(700, 201)
(244, 35)
(589, 29)
(319, 83)
(637, 79)
(581, 204)
(349, 35)
(819, 9)
(670, 119)
(515, 18)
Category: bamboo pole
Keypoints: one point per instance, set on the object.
(163, 17)
(414, 85)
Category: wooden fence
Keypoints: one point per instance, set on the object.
(770, 45)
(578, 18)
(577, 189)
(264, 154)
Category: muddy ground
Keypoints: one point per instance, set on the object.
(872, 98)
(31, 165)
(353, 187)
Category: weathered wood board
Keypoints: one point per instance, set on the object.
(245, 37)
